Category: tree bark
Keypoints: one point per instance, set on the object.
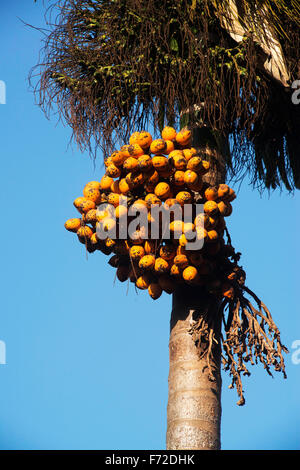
(194, 402)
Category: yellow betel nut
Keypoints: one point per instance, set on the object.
(136, 252)
(176, 272)
(162, 190)
(135, 179)
(179, 178)
(195, 164)
(106, 182)
(170, 202)
(205, 167)
(184, 136)
(133, 139)
(93, 185)
(117, 158)
(144, 139)
(94, 239)
(143, 282)
(115, 187)
(190, 274)
(145, 163)
(83, 204)
(113, 171)
(211, 208)
(154, 290)
(211, 194)
(152, 177)
(130, 164)
(223, 208)
(161, 265)
(147, 262)
(169, 148)
(160, 162)
(152, 200)
(169, 133)
(179, 161)
(134, 150)
(176, 153)
(91, 217)
(189, 153)
(92, 194)
(107, 161)
(223, 190)
(183, 240)
(167, 252)
(158, 146)
(124, 186)
(149, 247)
(110, 243)
(188, 229)
(84, 232)
(72, 225)
(230, 196)
(190, 177)
(184, 197)
(181, 261)
(212, 235)
(113, 199)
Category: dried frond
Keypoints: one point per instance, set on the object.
(249, 334)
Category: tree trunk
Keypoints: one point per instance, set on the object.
(194, 403)
(194, 406)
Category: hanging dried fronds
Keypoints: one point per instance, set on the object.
(109, 66)
(249, 333)
(251, 337)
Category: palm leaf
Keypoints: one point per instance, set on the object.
(114, 67)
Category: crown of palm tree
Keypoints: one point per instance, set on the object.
(114, 65)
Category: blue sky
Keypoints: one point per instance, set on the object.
(87, 362)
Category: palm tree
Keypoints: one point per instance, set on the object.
(225, 69)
